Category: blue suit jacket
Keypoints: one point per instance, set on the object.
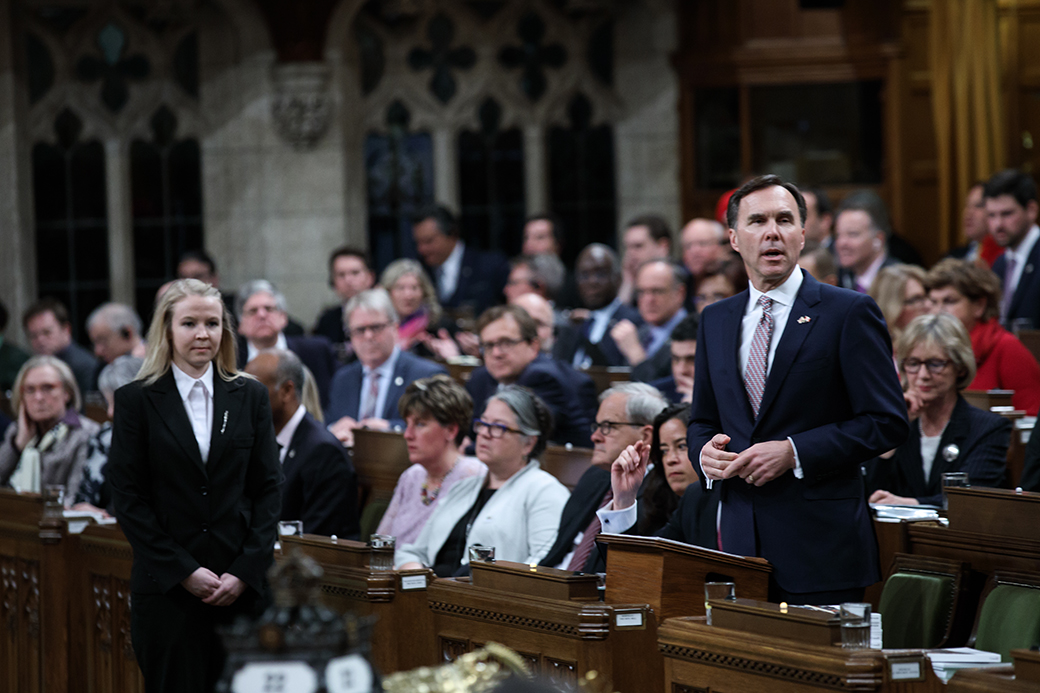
(1025, 304)
(568, 393)
(482, 277)
(345, 391)
(315, 352)
(319, 485)
(605, 352)
(833, 391)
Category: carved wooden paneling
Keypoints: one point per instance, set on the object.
(9, 620)
(102, 600)
(452, 649)
(679, 688)
(499, 617)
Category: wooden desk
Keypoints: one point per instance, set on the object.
(1023, 676)
(699, 657)
(567, 465)
(605, 376)
(402, 637)
(560, 639)
(987, 399)
(379, 457)
(670, 575)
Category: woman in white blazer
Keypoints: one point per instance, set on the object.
(514, 506)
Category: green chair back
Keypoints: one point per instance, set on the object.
(371, 516)
(1009, 620)
(916, 609)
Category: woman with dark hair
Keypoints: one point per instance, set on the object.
(195, 482)
(946, 433)
(514, 507)
(672, 472)
(437, 412)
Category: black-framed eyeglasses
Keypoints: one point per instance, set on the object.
(935, 366)
(606, 427)
(371, 330)
(493, 430)
(504, 343)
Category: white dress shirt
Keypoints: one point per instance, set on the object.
(448, 272)
(198, 404)
(284, 436)
(386, 373)
(252, 351)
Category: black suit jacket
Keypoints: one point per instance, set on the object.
(604, 352)
(693, 521)
(315, 352)
(577, 514)
(179, 513)
(666, 386)
(1025, 304)
(981, 439)
(482, 277)
(320, 486)
(345, 398)
(847, 280)
(563, 389)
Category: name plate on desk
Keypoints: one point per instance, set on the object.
(538, 581)
(993, 511)
(795, 623)
(413, 581)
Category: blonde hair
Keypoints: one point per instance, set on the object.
(402, 268)
(889, 291)
(946, 332)
(68, 380)
(160, 335)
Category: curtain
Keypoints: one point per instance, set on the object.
(966, 102)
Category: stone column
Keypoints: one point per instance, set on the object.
(120, 223)
(536, 176)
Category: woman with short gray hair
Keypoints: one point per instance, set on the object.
(946, 433)
(514, 506)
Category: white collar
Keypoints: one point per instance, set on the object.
(454, 260)
(285, 436)
(1021, 253)
(608, 310)
(784, 294)
(386, 368)
(252, 351)
(185, 382)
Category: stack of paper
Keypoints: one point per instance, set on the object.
(945, 663)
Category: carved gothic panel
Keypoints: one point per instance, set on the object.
(453, 649)
(561, 672)
(31, 604)
(102, 601)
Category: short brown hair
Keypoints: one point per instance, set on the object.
(528, 327)
(47, 305)
(440, 398)
(970, 280)
(761, 183)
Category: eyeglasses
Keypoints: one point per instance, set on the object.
(493, 430)
(607, 427)
(504, 343)
(935, 366)
(371, 330)
(915, 301)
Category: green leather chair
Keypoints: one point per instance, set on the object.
(1009, 617)
(919, 601)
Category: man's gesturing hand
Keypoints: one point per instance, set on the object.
(626, 474)
(762, 462)
(715, 459)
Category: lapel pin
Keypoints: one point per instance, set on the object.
(398, 381)
(804, 319)
(223, 425)
(292, 454)
(951, 452)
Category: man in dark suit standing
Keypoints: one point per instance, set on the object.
(465, 278)
(262, 318)
(364, 394)
(511, 348)
(794, 389)
(626, 415)
(660, 295)
(590, 344)
(319, 486)
(1011, 209)
(861, 233)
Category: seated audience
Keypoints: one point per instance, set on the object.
(861, 234)
(467, 280)
(11, 356)
(544, 235)
(626, 414)
(660, 294)
(364, 394)
(538, 274)
(1011, 212)
(512, 355)
(946, 433)
(415, 301)
(319, 486)
(678, 387)
(262, 319)
(819, 262)
(972, 295)
(437, 412)
(115, 330)
(590, 344)
(349, 273)
(94, 493)
(47, 444)
(645, 238)
(514, 506)
(976, 228)
(47, 326)
(899, 292)
(819, 220)
(728, 279)
(671, 471)
(705, 246)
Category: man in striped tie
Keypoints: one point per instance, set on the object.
(793, 389)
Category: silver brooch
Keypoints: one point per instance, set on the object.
(950, 452)
(398, 381)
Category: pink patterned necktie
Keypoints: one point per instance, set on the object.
(373, 395)
(588, 539)
(758, 359)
